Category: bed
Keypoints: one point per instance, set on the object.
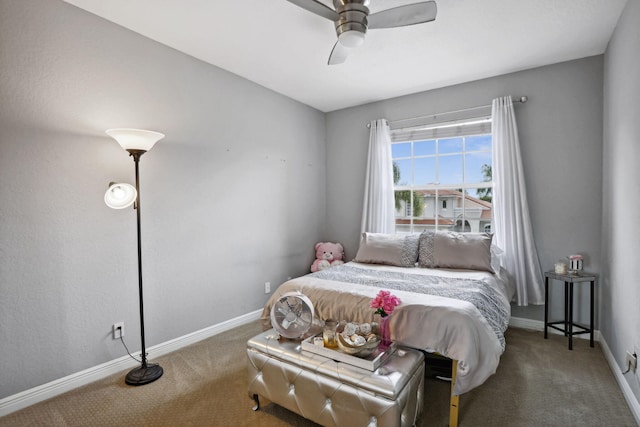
(455, 297)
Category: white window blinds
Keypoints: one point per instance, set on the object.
(476, 121)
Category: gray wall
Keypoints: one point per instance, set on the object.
(226, 200)
(620, 291)
(560, 132)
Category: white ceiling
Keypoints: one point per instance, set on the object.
(285, 48)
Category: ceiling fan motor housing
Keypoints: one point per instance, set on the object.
(353, 18)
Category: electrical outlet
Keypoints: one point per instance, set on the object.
(632, 361)
(267, 287)
(118, 330)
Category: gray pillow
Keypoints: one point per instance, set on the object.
(448, 249)
(391, 249)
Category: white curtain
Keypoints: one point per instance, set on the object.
(512, 225)
(378, 214)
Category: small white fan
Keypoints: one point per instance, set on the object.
(292, 315)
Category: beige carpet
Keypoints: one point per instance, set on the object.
(539, 383)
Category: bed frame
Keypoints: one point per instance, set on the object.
(442, 367)
(455, 400)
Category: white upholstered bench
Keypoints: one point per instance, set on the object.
(334, 393)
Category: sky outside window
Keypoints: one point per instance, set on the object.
(446, 161)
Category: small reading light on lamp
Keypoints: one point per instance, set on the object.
(119, 196)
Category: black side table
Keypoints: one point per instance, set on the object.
(568, 325)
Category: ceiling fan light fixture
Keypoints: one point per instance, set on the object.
(351, 38)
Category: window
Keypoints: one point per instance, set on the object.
(408, 209)
(443, 177)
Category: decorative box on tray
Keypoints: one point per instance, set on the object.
(370, 362)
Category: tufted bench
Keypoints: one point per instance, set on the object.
(335, 393)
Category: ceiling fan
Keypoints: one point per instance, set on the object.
(352, 19)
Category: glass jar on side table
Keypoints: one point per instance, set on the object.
(568, 325)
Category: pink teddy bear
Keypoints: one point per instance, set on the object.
(327, 255)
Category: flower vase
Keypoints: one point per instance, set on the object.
(385, 333)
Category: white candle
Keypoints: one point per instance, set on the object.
(561, 268)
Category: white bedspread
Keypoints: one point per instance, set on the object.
(451, 327)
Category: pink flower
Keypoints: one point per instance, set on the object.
(384, 303)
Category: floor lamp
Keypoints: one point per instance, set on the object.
(119, 196)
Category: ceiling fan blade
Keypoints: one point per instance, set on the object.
(401, 16)
(314, 6)
(339, 54)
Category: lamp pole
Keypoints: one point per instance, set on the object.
(146, 373)
(136, 142)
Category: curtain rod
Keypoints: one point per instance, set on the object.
(521, 99)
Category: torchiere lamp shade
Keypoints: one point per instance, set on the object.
(135, 139)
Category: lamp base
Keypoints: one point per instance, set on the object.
(143, 375)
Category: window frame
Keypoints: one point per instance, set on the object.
(477, 127)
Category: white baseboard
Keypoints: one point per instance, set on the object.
(522, 323)
(194, 337)
(538, 325)
(631, 399)
(54, 388)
